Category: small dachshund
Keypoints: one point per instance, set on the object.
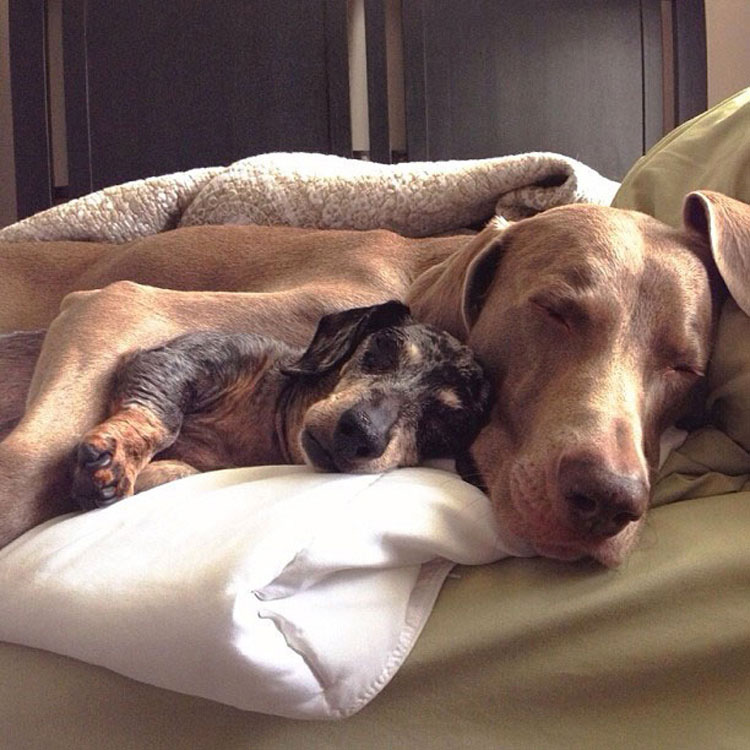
(374, 390)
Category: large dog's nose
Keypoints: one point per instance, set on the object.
(363, 431)
(600, 501)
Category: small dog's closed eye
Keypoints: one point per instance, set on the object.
(374, 390)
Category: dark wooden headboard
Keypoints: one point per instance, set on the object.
(152, 88)
(583, 78)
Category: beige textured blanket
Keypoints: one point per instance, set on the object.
(317, 190)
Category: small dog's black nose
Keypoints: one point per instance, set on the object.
(600, 501)
(363, 431)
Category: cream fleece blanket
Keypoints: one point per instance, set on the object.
(327, 192)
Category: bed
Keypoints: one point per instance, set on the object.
(520, 653)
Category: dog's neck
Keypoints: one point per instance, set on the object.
(297, 395)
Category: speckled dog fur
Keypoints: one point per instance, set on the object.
(374, 390)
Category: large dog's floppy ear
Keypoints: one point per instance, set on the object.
(726, 223)
(450, 295)
(339, 334)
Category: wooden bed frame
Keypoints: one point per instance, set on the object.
(152, 88)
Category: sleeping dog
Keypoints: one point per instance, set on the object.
(373, 390)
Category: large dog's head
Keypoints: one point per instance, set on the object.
(394, 392)
(596, 326)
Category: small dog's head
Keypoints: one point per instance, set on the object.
(403, 392)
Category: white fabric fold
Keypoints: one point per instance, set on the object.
(273, 589)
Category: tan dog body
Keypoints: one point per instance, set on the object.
(37, 275)
(595, 324)
(294, 276)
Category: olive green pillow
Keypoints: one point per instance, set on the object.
(711, 152)
(715, 460)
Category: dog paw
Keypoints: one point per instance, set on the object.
(103, 473)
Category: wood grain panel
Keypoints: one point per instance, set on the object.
(28, 75)
(171, 86)
(526, 75)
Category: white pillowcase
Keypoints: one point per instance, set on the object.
(273, 589)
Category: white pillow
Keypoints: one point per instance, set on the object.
(273, 589)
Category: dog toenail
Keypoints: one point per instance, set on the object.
(107, 493)
(98, 459)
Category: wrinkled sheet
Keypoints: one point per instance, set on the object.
(521, 655)
(272, 589)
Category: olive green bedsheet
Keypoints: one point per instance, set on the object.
(527, 654)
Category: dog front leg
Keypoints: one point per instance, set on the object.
(19, 352)
(111, 456)
(71, 383)
(163, 471)
(153, 391)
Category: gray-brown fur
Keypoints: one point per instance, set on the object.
(19, 352)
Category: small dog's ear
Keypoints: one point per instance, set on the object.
(725, 223)
(339, 334)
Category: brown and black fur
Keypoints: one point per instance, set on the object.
(372, 391)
